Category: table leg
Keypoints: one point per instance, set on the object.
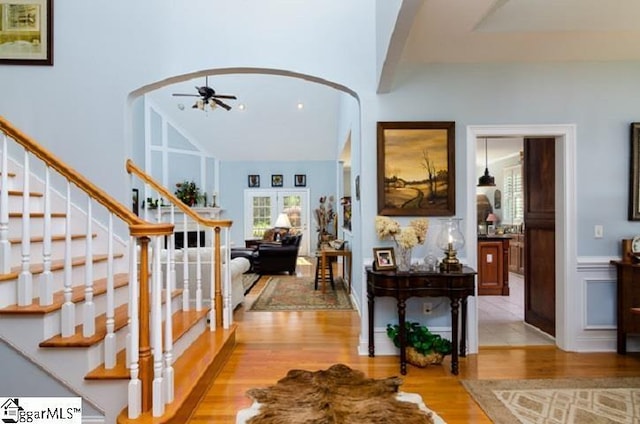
(463, 329)
(371, 304)
(455, 305)
(403, 336)
(323, 260)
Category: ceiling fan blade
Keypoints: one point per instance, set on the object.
(224, 96)
(221, 104)
(185, 95)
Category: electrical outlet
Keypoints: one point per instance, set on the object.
(427, 308)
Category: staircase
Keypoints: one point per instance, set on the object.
(89, 306)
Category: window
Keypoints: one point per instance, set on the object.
(513, 200)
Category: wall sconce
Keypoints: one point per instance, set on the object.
(450, 240)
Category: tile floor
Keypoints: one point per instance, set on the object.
(501, 319)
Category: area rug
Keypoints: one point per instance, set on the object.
(297, 294)
(558, 401)
(338, 394)
(249, 280)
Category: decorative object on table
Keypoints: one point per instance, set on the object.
(346, 212)
(188, 192)
(383, 259)
(277, 180)
(253, 180)
(325, 216)
(634, 183)
(490, 222)
(627, 250)
(422, 346)
(337, 244)
(450, 240)
(300, 180)
(282, 223)
(405, 238)
(152, 203)
(338, 394)
(26, 32)
(635, 249)
(416, 168)
(214, 198)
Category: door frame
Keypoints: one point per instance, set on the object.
(568, 301)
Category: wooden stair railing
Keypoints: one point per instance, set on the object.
(222, 310)
(142, 385)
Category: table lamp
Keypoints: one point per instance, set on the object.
(282, 222)
(450, 240)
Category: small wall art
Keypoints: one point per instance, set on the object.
(26, 32)
(300, 180)
(254, 180)
(277, 180)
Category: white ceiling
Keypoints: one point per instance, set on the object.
(437, 31)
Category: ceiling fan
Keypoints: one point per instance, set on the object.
(209, 97)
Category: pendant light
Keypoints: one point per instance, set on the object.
(486, 180)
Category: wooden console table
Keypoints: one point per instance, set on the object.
(628, 297)
(457, 286)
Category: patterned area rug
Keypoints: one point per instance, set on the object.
(297, 294)
(562, 401)
(249, 280)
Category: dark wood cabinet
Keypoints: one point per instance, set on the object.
(628, 296)
(516, 254)
(493, 266)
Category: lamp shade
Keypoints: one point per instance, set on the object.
(491, 218)
(283, 221)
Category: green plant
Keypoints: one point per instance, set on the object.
(188, 192)
(420, 338)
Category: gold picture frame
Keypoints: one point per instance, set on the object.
(634, 179)
(26, 32)
(416, 168)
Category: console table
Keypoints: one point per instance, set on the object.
(457, 286)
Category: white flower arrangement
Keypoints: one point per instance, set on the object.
(404, 237)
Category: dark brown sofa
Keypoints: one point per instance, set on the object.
(277, 257)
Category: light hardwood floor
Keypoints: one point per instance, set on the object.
(270, 344)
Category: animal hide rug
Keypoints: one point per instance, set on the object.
(336, 395)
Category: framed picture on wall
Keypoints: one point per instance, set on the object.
(253, 180)
(416, 168)
(634, 180)
(26, 32)
(300, 180)
(277, 180)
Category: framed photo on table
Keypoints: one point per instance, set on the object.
(26, 32)
(383, 259)
(416, 168)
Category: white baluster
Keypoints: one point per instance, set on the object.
(46, 278)
(25, 280)
(171, 252)
(135, 386)
(68, 316)
(156, 330)
(198, 270)
(168, 373)
(110, 338)
(133, 269)
(89, 309)
(186, 293)
(5, 244)
(227, 308)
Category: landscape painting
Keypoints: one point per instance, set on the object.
(416, 168)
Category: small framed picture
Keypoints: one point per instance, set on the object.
(277, 180)
(383, 258)
(254, 180)
(300, 180)
(135, 200)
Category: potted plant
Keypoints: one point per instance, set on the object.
(421, 345)
(188, 192)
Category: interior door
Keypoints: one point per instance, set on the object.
(262, 207)
(539, 220)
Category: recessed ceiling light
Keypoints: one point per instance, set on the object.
(241, 106)
(180, 106)
(300, 105)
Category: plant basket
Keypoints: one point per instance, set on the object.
(420, 360)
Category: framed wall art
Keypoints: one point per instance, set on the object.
(277, 180)
(416, 168)
(26, 32)
(300, 180)
(634, 180)
(253, 180)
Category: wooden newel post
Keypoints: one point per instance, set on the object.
(145, 358)
(218, 279)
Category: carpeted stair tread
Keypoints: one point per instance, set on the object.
(194, 372)
(78, 340)
(77, 295)
(56, 265)
(182, 321)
